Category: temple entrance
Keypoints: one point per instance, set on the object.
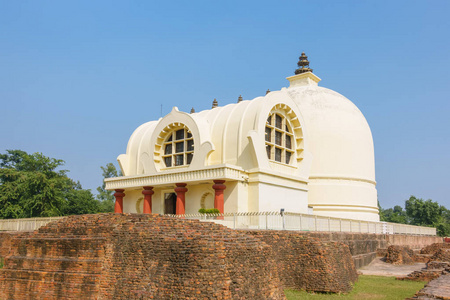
(170, 203)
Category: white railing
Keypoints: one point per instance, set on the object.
(29, 224)
(306, 222)
(263, 220)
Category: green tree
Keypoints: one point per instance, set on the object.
(80, 201)
(423, 213)
(443, 227)
(106, 197)
(395, 215)
(31, 186)
(428, 213)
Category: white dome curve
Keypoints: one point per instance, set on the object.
(342, 178)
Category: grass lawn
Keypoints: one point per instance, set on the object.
(367, 287)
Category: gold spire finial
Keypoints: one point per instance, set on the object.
(240, 98)
(268, 91)
(303, 64)
(192, 110)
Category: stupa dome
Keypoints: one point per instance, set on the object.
(342, 176)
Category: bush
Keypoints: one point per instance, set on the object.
(209, 211)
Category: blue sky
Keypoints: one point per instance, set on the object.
(77, 77)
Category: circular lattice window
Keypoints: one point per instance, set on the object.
(283, 135)
(174, 146)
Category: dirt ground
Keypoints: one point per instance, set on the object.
(381, 268)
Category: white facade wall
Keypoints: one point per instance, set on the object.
(273, 198)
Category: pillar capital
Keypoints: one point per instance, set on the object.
(119, 193)
(148, 192)
(181, 187)
(181, 200)
(118, 205)
(219, 185)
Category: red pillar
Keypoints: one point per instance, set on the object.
(218, 187)
(180, 190)
(118, 206)
(147, 192)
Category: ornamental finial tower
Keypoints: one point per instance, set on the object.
(215, 103)
(303, 64)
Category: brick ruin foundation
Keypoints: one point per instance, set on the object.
(400, 255)
(363, 246)
(433, 248)
(123, 256)
(306, 263)
(438, 288)
(436, 273)
(117, 256)
(136, 256)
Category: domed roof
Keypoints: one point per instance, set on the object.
(233, 134)
(342, 177)
(339, 135)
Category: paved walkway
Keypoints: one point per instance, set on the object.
(381, 268)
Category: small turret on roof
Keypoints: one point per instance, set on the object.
(215, 103)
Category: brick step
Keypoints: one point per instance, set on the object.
(61, 277)
(59, 247)
(67, 238)
(88, 266)
(35, 289)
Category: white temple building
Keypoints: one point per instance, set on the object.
(298, 148)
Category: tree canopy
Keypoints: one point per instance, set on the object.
(33, 185)
(421, 213)
(105, 197)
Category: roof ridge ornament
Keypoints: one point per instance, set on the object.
(215, 103)
(303, 65)
(192, 110)
(240, 99)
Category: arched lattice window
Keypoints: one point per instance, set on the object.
(178, 148)
(279, 139)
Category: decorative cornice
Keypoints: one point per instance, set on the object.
(223, 172)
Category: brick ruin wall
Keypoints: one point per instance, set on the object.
(306, 263)
(80, 256)
(112, 256)
(5, 238)
(436, 273)
(400, 255)
(5, 242)
(412, 241)
(363, 246)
